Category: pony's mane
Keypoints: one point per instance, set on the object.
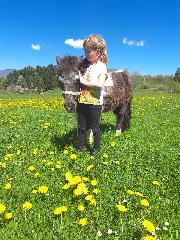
(83, 66)
(68, 63)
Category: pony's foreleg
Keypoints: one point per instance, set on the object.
(119, 120)
(118, 126)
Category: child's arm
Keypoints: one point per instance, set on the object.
(102, 78)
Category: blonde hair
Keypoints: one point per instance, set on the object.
(96, 43)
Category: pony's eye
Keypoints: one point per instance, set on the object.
(61, 75)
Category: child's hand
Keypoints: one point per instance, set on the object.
(81, 78)
(85, 79)
(88, 77)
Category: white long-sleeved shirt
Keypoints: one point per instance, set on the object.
(93, 95)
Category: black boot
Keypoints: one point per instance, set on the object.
(94, 151)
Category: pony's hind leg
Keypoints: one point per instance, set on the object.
(127, 117)
(119, 112)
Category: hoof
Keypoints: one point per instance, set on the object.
(94, 152)
(118, 132)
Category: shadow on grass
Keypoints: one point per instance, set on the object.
(70, 137)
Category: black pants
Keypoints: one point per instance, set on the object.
(88, 117)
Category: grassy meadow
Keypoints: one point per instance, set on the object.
(129, 191)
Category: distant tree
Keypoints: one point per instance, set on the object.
(111, 69)
(2, 82)
(177, 75)
(11, 79)
(29, 75)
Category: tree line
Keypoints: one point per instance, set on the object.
(40, 78)
(44, 78)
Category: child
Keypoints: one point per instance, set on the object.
(91, 97)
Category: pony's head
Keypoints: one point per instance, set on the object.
(69, 80)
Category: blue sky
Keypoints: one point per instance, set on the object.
(141, 35)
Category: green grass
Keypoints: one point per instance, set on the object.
(49, 94)
(148, 151)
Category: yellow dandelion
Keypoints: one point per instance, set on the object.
(58, 166)
(83, 222)
(57, 211)
(68, 176)
(43, 189)
(73, 156)
(149, 238)
(18, 152)
(113, 144)
(93, 202)
(138, 194)
(77, 179)
(121, 208)
(60, 210)
(8, 186)
(37, 174)
(89, 197)
(77, 192)
(64, 208)
(96, 190)
(31, 168)
(51, 152)
(47, 123)
(148, 226)
(66, 186)
(8, 215)
(72, 181)
(81, 208)
(65, 152)
(49, 163)
(94, 182)
(144, 202)
(9, 155)
(105, 155)
(156, 183)
(9, 147)
(82, 187)
(35, 151)
(130, 192)
(2, 208)
(27, 205)
(85, 179)
(34, 191)
(105, 163)
(2, 165)
(89, 167)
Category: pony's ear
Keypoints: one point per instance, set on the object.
(58, 60)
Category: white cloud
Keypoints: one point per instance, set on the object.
(74, 43)
(132, 42)
(141, 43)
(36, 47)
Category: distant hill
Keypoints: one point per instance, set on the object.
(4, 73)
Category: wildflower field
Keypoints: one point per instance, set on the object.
(129, 191)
